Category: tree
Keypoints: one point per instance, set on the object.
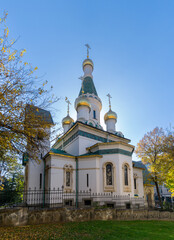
(11, 172)
(19, 87)
(168, 166)
(151, 151)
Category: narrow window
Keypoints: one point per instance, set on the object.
(87, 179)
(67, 179)
(125, 175)
(135, 183)
(108, 174)
(94, 114)
(40, 180)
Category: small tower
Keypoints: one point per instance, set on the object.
(110, 118)
(88, 105)
(83, 108)
(67, 121)
(88, 65)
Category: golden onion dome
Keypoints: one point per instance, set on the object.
(110, 115)
(82, 102)
(88, 62)
(67, 120)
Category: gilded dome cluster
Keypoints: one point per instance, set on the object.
(82, 101)
(67, 120)
(88, 61)
(110, 115)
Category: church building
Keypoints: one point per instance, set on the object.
(87, 157)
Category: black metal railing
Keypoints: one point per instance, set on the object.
(61, 198)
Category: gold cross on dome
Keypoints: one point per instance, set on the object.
(68, 103)
(88, 47)
(109, 97)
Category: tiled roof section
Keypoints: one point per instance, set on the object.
(138, 164)
(59, 151)
(88, 86)
(146, 174)
(44, 115)
(89, 154)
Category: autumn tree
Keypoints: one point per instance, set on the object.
(19, 88)
(150, 150)
(168, 165)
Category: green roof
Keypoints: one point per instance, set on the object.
(59, 151)
(88, 86)
(89, 154)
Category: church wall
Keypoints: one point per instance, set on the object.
(119, 160)
(34, 171)
(114, 159)
(138, 174)
(123, 159)
(90, 166)
(56, 171)
(73, 147)
(85, 143)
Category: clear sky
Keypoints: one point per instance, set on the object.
(132, 47)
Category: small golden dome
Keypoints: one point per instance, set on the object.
(88, 62)
(82, 102)
(110, 115)
(67, 120)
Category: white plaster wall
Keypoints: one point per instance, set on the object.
(73, 147)
(140, 187)
(66, 127)
(117, 160)
(94, 106)
(84, 143)
(126, 159)
(88, 71)
(83, 113)
(89, 166)
(34, 170)
(56, 171)
(110, 125)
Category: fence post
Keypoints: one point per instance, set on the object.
(62, 194)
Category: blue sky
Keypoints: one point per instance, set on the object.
(132, 49)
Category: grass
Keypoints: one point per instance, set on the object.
(122, 230)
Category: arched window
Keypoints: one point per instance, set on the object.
(109, 174)
(94, 114)
(125, 175)
(68, 179)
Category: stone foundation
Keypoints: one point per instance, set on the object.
(25, 216)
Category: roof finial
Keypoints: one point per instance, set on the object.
(82, 78)
(109, 97)
(68, 103)
(88, 47)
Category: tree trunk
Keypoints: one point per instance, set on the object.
(159, 196)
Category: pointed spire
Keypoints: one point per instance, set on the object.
(109, 98)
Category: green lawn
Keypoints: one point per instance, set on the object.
(134, 230)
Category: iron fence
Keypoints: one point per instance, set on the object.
(61, 198)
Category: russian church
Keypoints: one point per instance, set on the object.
(87, 157)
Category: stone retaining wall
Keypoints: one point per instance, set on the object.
(25, 216)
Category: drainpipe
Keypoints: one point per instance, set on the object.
(44, 185)
(77, 182)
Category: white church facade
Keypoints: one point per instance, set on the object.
(86, 158)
